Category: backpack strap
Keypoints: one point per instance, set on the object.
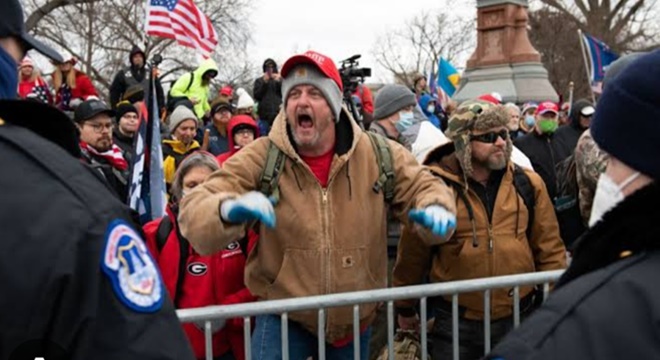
(385, 160)
(243, 244)
(525, 189)
(192, 78)
(275, 160)
(162, 234)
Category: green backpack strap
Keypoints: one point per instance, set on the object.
(385, 182)
(275, 160)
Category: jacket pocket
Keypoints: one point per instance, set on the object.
(355, 269)
(299, 275)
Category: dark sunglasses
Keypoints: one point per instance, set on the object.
(490, 137)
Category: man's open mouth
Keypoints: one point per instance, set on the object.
(305, 121)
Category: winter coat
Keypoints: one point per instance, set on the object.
(235, 121)
(327, 240)
(567, 136)
(424, 104)
(607, 304)
(218, 143)
(173, 153)
(196, 89)
(130, 76)
(84, 89)
(269, 96)
(545, 153)
(209, 280)
(124, 142)
(502, 246)
(27, 87)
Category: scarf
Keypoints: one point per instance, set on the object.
(113, 156)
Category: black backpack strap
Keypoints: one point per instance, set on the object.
(192, 78)
(386, 179)
(163, 232)
(525, 189)
(275, 160)
(243, 244)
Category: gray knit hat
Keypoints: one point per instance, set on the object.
(392, 98)
(179, 115)
(308, 74)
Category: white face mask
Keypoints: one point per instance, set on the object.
(608, 195)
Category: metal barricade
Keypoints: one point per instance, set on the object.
(320, 303)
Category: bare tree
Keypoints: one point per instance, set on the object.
(625, 25)
(101, 33)
(620, 24)
(418, 46)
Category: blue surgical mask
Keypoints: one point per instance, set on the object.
(431, 109)
(530, 121)
(405, 121)
(8, 76)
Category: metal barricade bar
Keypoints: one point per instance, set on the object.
(321, 334)
(247, 337)
(285, 335)
(362, 297)
(454, 325)
(354, 299)
(423, 318)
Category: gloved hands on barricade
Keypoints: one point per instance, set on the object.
(435, 218)
(247, 207)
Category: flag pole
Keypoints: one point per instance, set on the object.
(586, 65)
(570, 96)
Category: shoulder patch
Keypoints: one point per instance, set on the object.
(131, 270)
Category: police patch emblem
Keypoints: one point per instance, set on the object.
(130, 268)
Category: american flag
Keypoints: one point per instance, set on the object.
(183, 21)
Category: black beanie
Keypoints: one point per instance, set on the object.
(627, 120)
(123, 108)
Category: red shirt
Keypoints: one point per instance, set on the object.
(320, 165)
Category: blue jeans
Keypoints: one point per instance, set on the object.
(267, 342)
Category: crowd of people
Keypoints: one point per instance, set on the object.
(279, 192)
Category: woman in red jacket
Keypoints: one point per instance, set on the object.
(32, 85)
(72, 86)
(193, 280)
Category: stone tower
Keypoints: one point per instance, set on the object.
(504, 61)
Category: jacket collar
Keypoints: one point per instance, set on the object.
(630, 228)
(178, 146)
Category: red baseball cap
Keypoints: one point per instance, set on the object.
(320, 61)
(547, 106)
(227, 90)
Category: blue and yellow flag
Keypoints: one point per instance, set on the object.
(448, 77)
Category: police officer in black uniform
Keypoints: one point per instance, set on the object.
(77, 281)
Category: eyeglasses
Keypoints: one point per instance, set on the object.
(98, 128)
(491, 137)
(244, 132)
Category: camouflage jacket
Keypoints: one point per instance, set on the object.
(590, 162)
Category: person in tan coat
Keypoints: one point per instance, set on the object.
(495, 233)
(327, 232)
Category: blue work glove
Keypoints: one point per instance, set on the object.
(245, 208)
(435, 218)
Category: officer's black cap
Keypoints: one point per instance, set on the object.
(91, 108)
(11, 24)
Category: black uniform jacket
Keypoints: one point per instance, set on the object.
(57, 220)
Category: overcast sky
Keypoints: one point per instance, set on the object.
(337, 28)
